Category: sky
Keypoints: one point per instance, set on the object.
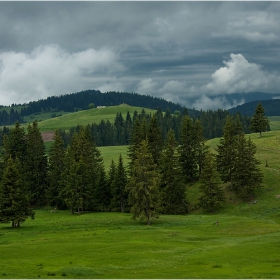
(193, 53)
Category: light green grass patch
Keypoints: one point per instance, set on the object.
(112, 245)
(89, 116)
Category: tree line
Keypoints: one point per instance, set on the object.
(155, 182)
(119, 132)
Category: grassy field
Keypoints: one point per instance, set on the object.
(111, 245)
(245, 243)
(113, 152)
(274, 122)
(88, 117)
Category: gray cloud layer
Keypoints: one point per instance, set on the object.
(186, 52)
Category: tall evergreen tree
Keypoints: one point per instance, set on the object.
(200, 148)
(187, 149)
(212, 194)
(226, 149)
(154, 139)
(143, 185)
(14, 196)
(259, 122)
(103, 189)
(118, 189)
(15, 144)
(173, 190)
(246, 175)
(78, 189)
(35, 165)
(56, 170)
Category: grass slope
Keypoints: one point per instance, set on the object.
(89, 116)
(245, 243)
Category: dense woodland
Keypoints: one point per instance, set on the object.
(119, 133)
(155, 182)
(81, 100)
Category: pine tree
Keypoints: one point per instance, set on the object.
(56, 170)
(155, 139)
(212, 194)
(173, 190)
(35, 165)
(103, 190)
(259, 123)
(187, 149)
(226, 149)
(246, 175)
(14, 196)
(118, 190)
(143, 185)
(15, 144)
(200, 148)
(82, 150)
(78, 188)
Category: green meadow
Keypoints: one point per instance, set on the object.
(244, 243)
(89, 116)
(240, 241)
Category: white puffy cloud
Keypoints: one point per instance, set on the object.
(220, 102)
(240, 75)
(50, 70)
(147, 86)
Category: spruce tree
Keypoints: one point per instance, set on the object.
(154, 139)
(14, 196)
(259, 122)
(56, 170)
(143, 185)
(212, 194)
(246, 175)
(103, 190)
(226, 149)
(173, 190)
(15, 144)
(200, 148)
(187, 149)
(119, 192)
(35, 165)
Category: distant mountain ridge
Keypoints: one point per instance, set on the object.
(81, 100)
(271, 107)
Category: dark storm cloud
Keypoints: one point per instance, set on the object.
(182, 51)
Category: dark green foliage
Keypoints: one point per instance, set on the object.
(15, 144)
(199, 145)
(187, 149)
(56, 170)
(173, 189)
(83, 165)
(246, 174)
(77, 192)
(103, 190)
(259, 123)
(35, 165)
(154, 139)
(119, 181)
(226, 149)
(14, 196)
(143, 185)
(212, 195)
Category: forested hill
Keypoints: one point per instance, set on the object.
(271, 107)
(81, 100)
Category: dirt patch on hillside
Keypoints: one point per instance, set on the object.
(47, 136)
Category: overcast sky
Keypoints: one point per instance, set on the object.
(186, 52)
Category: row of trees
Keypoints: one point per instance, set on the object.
(156, 180)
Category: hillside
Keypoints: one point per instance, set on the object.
(271, 107)
(243, 244)
(85, 117)
(59, 105)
